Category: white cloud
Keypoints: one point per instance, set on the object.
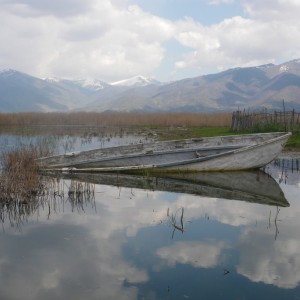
(241, 41)
(218, 2)
(112, 40)
(31, 8)
(283, 10)
(106, 41)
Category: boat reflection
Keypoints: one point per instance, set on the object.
(250, 186)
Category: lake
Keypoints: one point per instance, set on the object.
(143, 237)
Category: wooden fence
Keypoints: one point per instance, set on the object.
(247, 121)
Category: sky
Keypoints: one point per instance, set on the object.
(111, 40)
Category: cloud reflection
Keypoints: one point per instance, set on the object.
(80, 255)
(264, 259)
(66, 262)
(196, 254)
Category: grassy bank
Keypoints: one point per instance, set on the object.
(174, 133)
(168, 133)
(293, 143)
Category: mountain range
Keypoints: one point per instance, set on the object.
(257, 87)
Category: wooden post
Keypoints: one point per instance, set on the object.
(293, 119)
(284, 114)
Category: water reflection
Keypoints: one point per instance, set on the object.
(285, 170)
(113, 237)
(51, 199)
(251, 186)
(263, 259)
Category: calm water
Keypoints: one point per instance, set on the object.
(76, 138)
(156, 238)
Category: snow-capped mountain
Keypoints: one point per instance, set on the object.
(22, 92)
(7, 72)
(91, 83)
(88, 83)
(256, 87)
(52, 79)
(136, 81)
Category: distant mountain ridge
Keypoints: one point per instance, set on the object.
(252, 87)
(89, 83)
(136, 81)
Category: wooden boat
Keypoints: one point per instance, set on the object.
(224, 153)
(250, 186)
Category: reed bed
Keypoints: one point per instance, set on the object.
(47, 194)
(20, 185)
(19, 175)
(115, 119)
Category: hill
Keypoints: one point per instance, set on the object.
(253, 87)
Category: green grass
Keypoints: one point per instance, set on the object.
(177, 133)
(293, 142)
(269, 128)
(174, 133)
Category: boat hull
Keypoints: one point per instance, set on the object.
(252, 157)
(226, 153)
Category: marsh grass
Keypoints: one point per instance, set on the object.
(51, 199)
(104, 126)
(29, 193)
(19, 177)
(115, 119)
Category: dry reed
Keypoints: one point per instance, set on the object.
(115, 119)
(52, 197)
(19, 176)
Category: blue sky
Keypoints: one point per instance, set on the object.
(113, 40)
(205, 12)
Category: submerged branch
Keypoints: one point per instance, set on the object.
(173, 221)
